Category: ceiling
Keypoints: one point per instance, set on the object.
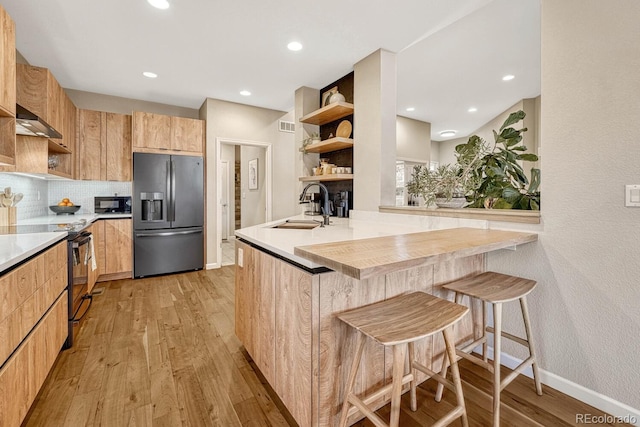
(451, 53)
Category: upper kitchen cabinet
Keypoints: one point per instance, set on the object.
(187, 135)
(7, 65)
(7, 88)
(38, 91)
(104, 152)
(157, 133)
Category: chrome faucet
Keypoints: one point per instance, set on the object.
(326, 208)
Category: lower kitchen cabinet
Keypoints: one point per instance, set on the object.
(33, 327)
(113, 240)
(273, 321)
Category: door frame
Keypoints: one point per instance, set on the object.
(268, 185)
(223, 225)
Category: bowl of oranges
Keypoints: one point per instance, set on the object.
(65, 207)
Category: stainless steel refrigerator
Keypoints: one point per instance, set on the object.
(168, 214)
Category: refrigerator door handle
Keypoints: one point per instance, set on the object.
(169, 233)
(169, 198)
(173, 192)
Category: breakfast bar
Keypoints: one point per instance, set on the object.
(288, 294)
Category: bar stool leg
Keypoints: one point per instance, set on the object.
(352, 379)
(399, 354)
(484, 331)
(449, 343)
(527, 327)
(497, 338)
(412, 384)
(445, 361)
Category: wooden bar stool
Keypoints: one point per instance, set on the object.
(496, 288)
(399, 322)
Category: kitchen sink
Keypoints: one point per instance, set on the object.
(299, 224)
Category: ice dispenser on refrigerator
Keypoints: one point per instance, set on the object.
(151, 206)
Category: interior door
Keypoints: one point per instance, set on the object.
(224, 198)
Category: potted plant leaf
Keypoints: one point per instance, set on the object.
(313, 138)
(504, 184)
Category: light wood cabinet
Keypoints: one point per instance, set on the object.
(104, 146)
(151, 131)
(118, 241)
(187, 134)
(7, 64)
(278, 339)
(33, 328)
(97, 236)
(7, 88)
(113, 240)
(26, 370)
(38, 91)
(157, 133)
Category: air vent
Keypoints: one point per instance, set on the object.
(287, 126)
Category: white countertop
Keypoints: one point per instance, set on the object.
(66, 219)
(15, 248)
(283, 241)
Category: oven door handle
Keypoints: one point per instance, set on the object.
(81, 240)
(168, 233)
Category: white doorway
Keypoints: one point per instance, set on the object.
(226, 189)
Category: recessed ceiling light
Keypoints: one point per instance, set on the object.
(245, 93)
(150, 75)
(447, 133)
(411, 109)
(159, 4)
(508, 77)
(472, 109)
(294, 46)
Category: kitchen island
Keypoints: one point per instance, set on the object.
(290, 283)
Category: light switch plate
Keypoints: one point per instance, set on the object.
(632, 195)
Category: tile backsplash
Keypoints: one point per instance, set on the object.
(40, 194)
(35, 193)
(82, 192)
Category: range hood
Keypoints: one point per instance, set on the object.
(30, 124)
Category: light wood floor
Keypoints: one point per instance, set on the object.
(162, 352)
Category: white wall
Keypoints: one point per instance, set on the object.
(413, 139)
(228, 120)
(117, 104)
(374, 150)
(253, 202)
(585, 308)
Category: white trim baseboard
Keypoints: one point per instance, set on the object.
(212, 265)
(597, 400)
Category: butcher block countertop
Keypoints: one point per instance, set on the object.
(376, 256)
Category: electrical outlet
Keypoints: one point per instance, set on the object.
(632, 195)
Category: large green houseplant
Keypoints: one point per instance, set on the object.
(488, 177)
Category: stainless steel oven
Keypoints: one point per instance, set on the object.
(79, 256)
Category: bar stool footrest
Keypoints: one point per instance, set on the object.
(517, 371)
(374, 396)
(507, 335)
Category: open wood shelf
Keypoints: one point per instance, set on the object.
(59, 173)
(331, 144)
(328, 114)
(329, 177)
(54, 147)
